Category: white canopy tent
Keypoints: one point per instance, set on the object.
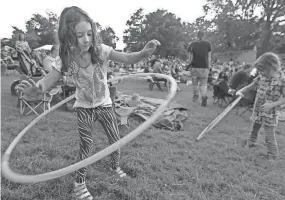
(45, 47)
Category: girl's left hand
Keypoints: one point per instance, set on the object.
(150, 47)
(266, 107)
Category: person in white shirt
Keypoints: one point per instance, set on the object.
(50, 60)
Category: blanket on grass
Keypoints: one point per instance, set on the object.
(172, 118)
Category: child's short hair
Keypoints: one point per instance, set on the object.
(268, 60)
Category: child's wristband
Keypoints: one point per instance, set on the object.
(64, 80)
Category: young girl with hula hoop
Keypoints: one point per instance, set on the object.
(270, 86)
(84, 60)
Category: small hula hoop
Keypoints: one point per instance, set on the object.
(19, 178)
(219, 118)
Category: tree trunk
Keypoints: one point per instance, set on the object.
(265, 40)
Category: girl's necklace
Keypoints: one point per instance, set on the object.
(88, 62)
(85, 60)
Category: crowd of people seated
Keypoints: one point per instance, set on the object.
(235, 76)
(40, 58)
(169, 66)
(14, 58)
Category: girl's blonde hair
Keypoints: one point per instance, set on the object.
(268, 60)
(67, 39)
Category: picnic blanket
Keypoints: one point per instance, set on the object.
(171, 119)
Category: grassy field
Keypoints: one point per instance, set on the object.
(160, 164)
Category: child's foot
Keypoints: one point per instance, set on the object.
(119, 171)
(243, 143)
(195, 98)
(81, 192)
(204, 101)
(246, 143)
(272, 157)
(252, 145)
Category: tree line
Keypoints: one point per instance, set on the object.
(41, 30)
(228, 25)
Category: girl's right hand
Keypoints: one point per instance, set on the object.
(29, 88)
(239, 93)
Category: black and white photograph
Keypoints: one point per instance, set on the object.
(143, 100)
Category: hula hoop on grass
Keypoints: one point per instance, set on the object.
(19, 178)
(219, 118)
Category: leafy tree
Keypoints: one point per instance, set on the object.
(17, 31)
(134, 36)
(107, 35)
(164, 26)
(12, 41)
(43, 27)
(242, 24)
(33, 38)
(273, 15)
(42, 30)
(229, 28)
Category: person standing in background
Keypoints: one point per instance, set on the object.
(200, 59)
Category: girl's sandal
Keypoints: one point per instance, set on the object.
(81, 192)
(119, 171)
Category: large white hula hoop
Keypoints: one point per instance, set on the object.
(19, 178)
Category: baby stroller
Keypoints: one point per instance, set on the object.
(27, 69)
(220, 93)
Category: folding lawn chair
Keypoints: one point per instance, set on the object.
(220, 93)
(30, 104)
(156, 81)
(122, 113)
(38, 104)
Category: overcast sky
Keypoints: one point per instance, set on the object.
(113, 13)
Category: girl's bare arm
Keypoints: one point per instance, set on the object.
(49, 80)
